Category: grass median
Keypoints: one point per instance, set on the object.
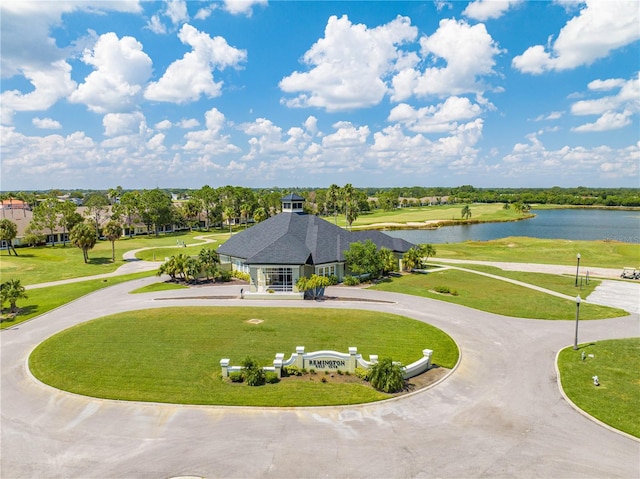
(172, 355)
(41, 300)
(494, 295)
(616, 362)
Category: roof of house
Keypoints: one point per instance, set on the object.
(292, 238)
(292, 197)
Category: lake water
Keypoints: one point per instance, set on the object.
(570, 224)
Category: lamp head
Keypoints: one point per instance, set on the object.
(578, 300)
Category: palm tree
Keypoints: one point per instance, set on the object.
(466, 212)
(112, 231)
(11, 291)
(8, 232)
(260, 214)
(84, 237)
(333, 196)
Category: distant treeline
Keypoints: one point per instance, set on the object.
(579, 196)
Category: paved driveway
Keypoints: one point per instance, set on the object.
(500, 414)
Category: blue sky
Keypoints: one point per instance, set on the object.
(97, 94)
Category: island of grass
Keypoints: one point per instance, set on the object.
(172, 355)
(615, 400)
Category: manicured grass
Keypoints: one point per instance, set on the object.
(605, 254)
(152, 288)
(41, 300)
(480, 213)
(494, 296)
(52, 263)
(616, 401)
(172, 355)
(565, 284)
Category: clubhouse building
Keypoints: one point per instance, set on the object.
(278, 251)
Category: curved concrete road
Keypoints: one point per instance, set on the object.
(500, 414)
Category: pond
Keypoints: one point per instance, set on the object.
(570, 224)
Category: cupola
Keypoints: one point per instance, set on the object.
(292, 203)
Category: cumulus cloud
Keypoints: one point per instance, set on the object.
(533, 160)
(483, 10)
(121, 68)
(599, 28)
(349, 66)
(116, 124)
(468, 52)
(186, 79)
(49, 85)
(242, 7)
(615, 110)
(211, 140)
(46, 124)
(443, 117)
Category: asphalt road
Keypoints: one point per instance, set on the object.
(500, 414)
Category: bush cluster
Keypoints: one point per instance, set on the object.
(351, 280)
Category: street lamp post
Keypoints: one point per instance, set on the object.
(577, 268)
(575, 340)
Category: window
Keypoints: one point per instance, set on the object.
(279, 279)
(326, 270)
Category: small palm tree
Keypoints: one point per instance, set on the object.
(466, 212)
(112, 231)
(11, 291)
(84, 237)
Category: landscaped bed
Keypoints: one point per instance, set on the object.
(172, 354)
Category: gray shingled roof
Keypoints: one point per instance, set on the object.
(292, 238)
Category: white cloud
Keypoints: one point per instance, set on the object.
(177, 11)
(468, 52)
(533, 160)
(483, 10)
(435, 118)
(211, 140)
(554, 115)
(346, 136)
(49, 85)
(163, 125)
(348, 67)
(46, 123)
(242, 7)
(117, 124)
(599, 28)
(615, 110)
(607, 121)
(156, 25)
(185, 80)
(121, 68)
(188, 123)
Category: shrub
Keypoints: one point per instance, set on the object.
(362, 373)
(333, 280)
(271, 377)
(292, 371)
(445, 290)
(386, 376)
(351, 280)
(236, 377)
(253, 374)
(339, 371)
(323, 379)
(241, 275)
(223, 276)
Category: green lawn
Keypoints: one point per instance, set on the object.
(605, 254)
(617, 364)
(172, 355)
(494, 296)
(52, 263)
(41, 300)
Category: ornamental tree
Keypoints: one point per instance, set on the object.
(8, 232)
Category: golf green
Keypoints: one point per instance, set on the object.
(172, 355)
